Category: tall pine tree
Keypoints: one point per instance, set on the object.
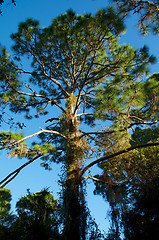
(79, 68)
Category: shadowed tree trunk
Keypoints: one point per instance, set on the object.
(74, 154)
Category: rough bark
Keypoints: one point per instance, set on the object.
(72, 201)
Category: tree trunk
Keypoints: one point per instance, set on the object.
(72, 201)
(72, 208)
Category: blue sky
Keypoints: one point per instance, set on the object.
(34, 177)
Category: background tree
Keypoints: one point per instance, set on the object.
(6, 217)
(79, 68)
(147, 10)
(141, 220)
(37, 218)
(5, 198)
(130, 184)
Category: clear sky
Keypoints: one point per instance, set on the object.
(34, 177)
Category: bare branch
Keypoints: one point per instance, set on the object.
(96, 133)
(104, 158)
(48, 100)
(13, 174)
(54, 132)
(85, 114)
(58, 105)
(52, 119)
(94, 179)
(106, 182)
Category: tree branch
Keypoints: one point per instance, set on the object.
(94, 179)
(13, 174)
(54, 132)
(21, 140)
(45, 74)
(85, 114)
(35, 95)
(106, 182)
(104, 158)
(24, 93)
(52, 119)
(32, 135)
(97, 133)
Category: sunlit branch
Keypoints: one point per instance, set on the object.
(94, 179)
(58, 105)
(13, 174)
(81, 67)
(32, 135)
(84, 114)
(20, 69)
(141, 5)
(54, 132)
(142, 121)
(90, 67)
(22, 139)
(56, 82)
(102, 181)
(78, 97)
(104, 158)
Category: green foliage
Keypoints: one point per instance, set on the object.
(6, 217)
(37, 217)
(9, 137)
(145, 135)
(16, 150)
(40, 203)
(124, 98)
(147, 11)
(129, 183)
(5, 198)
(8, 78)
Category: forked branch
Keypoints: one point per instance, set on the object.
(13, 174)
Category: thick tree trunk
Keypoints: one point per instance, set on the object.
(72, 201)
(72, 208)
